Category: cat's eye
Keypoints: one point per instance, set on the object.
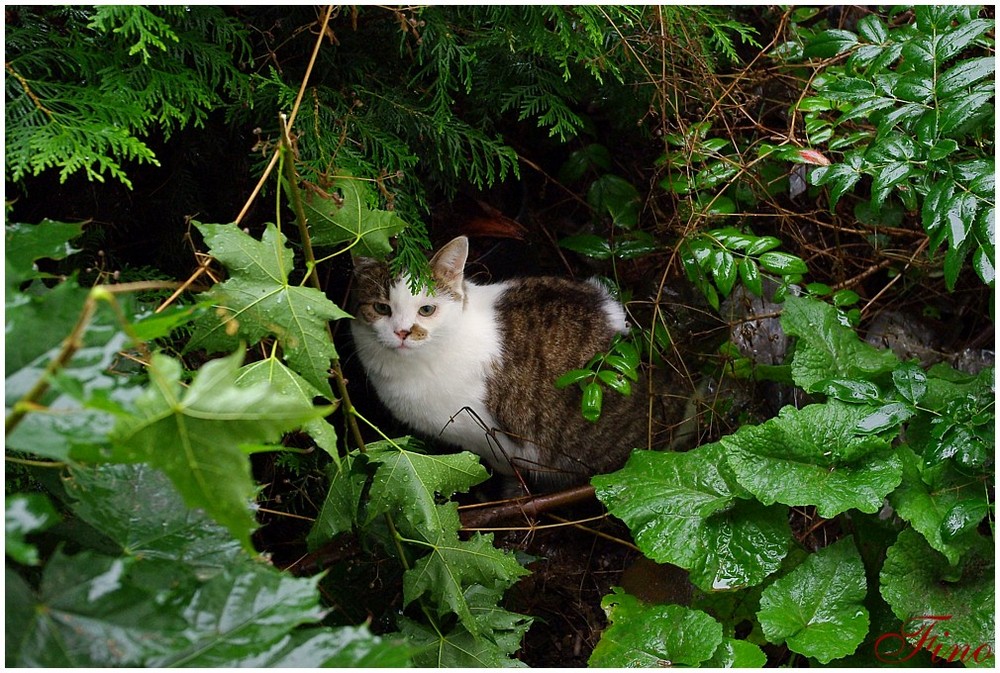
(426, 310)
(381, 308)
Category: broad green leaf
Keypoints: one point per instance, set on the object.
(342, 647)
(340, 510)
(24, 244)
(409, 484)
(942, 149)
(273, 372)
(344, 212)
(617, 197)
(911, 382)
(827, 347)
(588, 245)
(258, 300)
(817, 609)
(814, 456)
(36, 324)
(236, 614)
(964, 75)
(830, 43)
(750, 276)
(733, 653)
(26, 513)
(650, 636)
(938, 198)
(917, 88)
(194, 435)
(501, 636)
(93, 611)
(983, 266)
(452, 566)
(138, 508)
(964, 517)
(933, 599)
(682, 509)
(886, 417)
(762, 245)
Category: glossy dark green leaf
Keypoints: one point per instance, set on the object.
(964, 75)
(593, 398)
(642, 636)
(762, 245)
(617, 197)
(983, 266)
(714, 174)
(942, 149)
(573, 376)
(955, 39)
(782, 263)
(340, 511)
(733, 653)
(724, 271)
(137, 507)
(954, 261)
(932, 598)
(683, 509)
(839, 177)
(872, 29)
(849, 390)
(886, 417)
(938, 200)
(956, 112)
(26, 513)
(615, 381)
(750, 276)
(589, 245)
(814, 456)
(342, 647)
(818, 609)
(917, 88)
(964, 517)
(911, 382)
(632, 248)
(830, 43)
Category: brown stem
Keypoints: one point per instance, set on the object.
(530, 507)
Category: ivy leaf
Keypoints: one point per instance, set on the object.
(926, 496)
(452, 565)
(138, 508)
(344, 213)
(814, 456)
(26, 513)
(817, 609)
(682, 509)
(410, 483)
(642, 636)
(501, 636)
(940, 605)
(194, 435)
(827, 345)
(258, 300)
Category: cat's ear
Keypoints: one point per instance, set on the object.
(363, 264)
(448, 263)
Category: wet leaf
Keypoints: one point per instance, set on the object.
(817, 609)
(645, 636)
(258, 300)
(24, 244)
(194, 435)
(830, 43)
(588, 245)
(682, 509)
(26, 513)
(345, 213)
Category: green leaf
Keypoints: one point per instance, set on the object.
(732, 653)
(840, 177)
(573, 376)
(814, 456)
(258, 300)
(27, 243)
(955, 112)
(762, 245)
(911, 382)
(617, 197)
(724, 271)
(872, 29)
(750, 276)
(827, 347)
(588, 245)
(409, 483)
(343, 213)
(137, 507)
(590, 405)
(938, 604)
(830, 43)
(194, 435)
(964, 517)
(343, 647)
(451, 565)
(340, 510)
(886, 417)
(782, 263)
(26, 513)
(683, 509)
(964, 75)
(459, 648)
(642, 636)
(817, 610)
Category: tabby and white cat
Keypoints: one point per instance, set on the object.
(475, 365)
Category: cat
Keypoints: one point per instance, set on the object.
(474, 366)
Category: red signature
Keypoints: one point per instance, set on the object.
(897, 648)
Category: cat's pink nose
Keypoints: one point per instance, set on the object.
(403, 333)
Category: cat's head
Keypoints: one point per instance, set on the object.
(401, 320)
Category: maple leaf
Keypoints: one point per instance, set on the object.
(196, 436)
(257, 301)
(343, 214)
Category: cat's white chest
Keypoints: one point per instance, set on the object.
(440, 388)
